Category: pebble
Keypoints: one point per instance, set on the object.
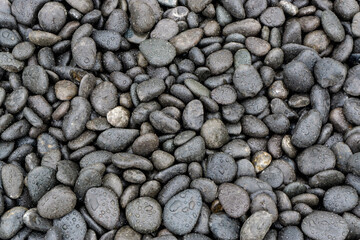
(72, 225)
(313, 227)
(43, 39)
(247, 81)
(40, 180)
(192, 151)
(214, 133)
(193, 115)
(84, 52)
(103, 98)
(125, 160)
(33, 221)
(224, 227)
(158, 52)
(165, 29)
(184, 41)
(118, 117)
(83, 6)
(221, 167)
(35, 79)
(12, 180)
(315, 159)
(219, 61)
(332, 26)
(56, 203)
(116, 139)
(307, 129)
(164, 122)
(352, 110)
(325, 71)
(150, 89)
(52, 17)
(144, 215)
(260, 220)
(235, 8)
(65, 90)
(142, 17)
(233, 199)
(257, 46)
(12, 222)
(340, 199)
(273, 17)
(182, 211)
(103, 206)
(9, 63)
(297, 77)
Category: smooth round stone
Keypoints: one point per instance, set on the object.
(219, 61)
(9, 63)
(52, 17)
(346, 9)
(162, 159)
(214, 133)
(340, 199)
(261, 221)
(261, 160)
(72, 225)
(277, 123)
(127, 233)
(234, 199)
(292, 232)
(125, 160)
(16, 101)
(150, 89)
(352, 83)
(65, 90)
(224, 227)
(273, 176)
(165, 29)
(84, 53)
(103, 206)
(107, 39)
(87, 179)
(83, 6)
(224, 95)
(329, 72)
(207, 188)
(11, 222)
(254, 8)
(158, 52)
(242, 56)
(315, 159)
(104, 98)
(352, 110)
(254, 127)
(247, 81)
(33, 221)
(327, 179)
(8, 38)
(12, 180)
(193, 115)
(134, 176)
(35, 79)
(197, 88)
(332, 26)
(67, 172)
(297, 77)
(23, 50)
(307, 129)
(273, 17)
(142, 17)
(318, 40)
(257, 46)
(193, 150)
(56, 203)
(118, 117)
(184, 41)
(75, 119)
(221, 167)
(39, 181)
(182, 211)
(323, 225)
(144, 215)
(164, 123)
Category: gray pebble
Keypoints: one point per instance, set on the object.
(221, 168)
(254, 127)
(193, 115)
(142, 17)
(224, 95)
(182, 211)
(273, 17)
(107, 39)
(84, 52)
(11, 222)
(35, 222)
(330, 73)
(56, 203)
(150, 89)
(144, 215)
(315, 159)
(332, 26)
(116, 139)
(35, 79)
(43, 39)
(12, 180)
(273, 176)
(224, 227)
(83, 6)
(323, 225)
(16, 101)
(193, 150)
(235, 8)
(186, 40)
(247, 81)
(352, 110)
(307, 129)
(260, 220)
(103, 206)
(52, 17)
(163, 122)
(327, 179)
(9, 63)
(72, 225)
(219, 61)
(173, 187)
(207, 188)
(297, 77)
(257, 46)
(214, 133)
(39, 181)
(340, 199)
(233, 199)
(125, 160)
(8, 38)
(165, 29)
(277, 123)
(290, 232)
(23, 50)
(87, 179)
(158, 52)
(104, 98)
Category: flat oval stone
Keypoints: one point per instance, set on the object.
(144, 215)
(315, 159)
(12, 180)
(72, 225)
(214, 133)
(35, 79)
(273, 17)
(193, 115)
(340, 199)
(116, 139)
(297, 77)
(84, 53)
(307, 129)
(34, 221)
(104, 97)
(11, 222)
(9, 63)
(40, 180)
(323, 225)
(158, 52)
(261, 221)
(56, 203)
(43, 39)
(150, 89)
(192, 151)
(83, 6)
(128, 160)
(332, 26)
(224, 227)
(75, 120)
(8, 38)
(234, 199)
(103, 206)
(352, 110)
(184, 41)
(182, 211)
(164, 123)
(219, 61)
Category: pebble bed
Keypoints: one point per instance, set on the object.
(179, 119)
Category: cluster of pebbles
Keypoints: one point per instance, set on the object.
(179, 119)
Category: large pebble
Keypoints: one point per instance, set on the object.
(104, 98)
(219, 61)
(193, 150)
(35, 79)
(352, 110)
(297, 77)
(72, 225)
(186, 40)
(83, 6)
(221, 167)
(116, 139)
(315, 159)
(103, 206)
(340, 199)
(182, 211)
(193, 115)
(224, 227)
(142, 17)
(11, 222)
(56, 203)
(12, 180)
(40, 180)
(144, 215)
(234, 199)
(323, 225)
(164, 123)
(247, 81)
(158, 52)
(214, 133)
(261, 221)
(332, 26)
(84, 52)
(150, 89)
(9, 63)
